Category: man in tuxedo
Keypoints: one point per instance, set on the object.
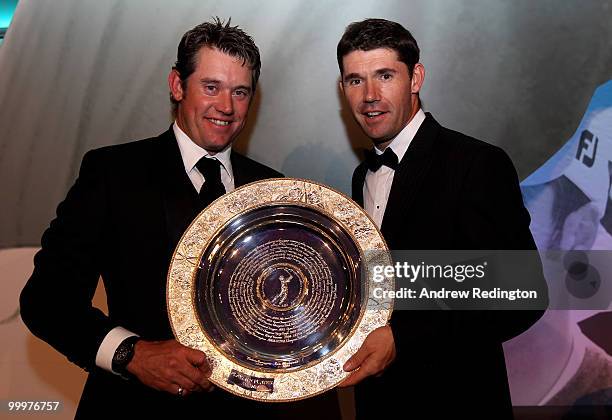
(122, 220)
(428, 188)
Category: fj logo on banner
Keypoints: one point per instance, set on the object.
(587, 148)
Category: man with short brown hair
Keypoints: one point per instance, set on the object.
(428, 188)
(122, 220)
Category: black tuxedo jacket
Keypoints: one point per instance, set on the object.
(450, 192)
(122, 220)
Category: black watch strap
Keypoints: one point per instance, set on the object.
(123, 356)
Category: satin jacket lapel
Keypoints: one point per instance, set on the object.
(358, 181)
(180, 199)
(240, 178)
(409, 176)
(242, 174)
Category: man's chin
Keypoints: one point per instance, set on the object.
(216, 147)
(376, 137)
(379, 141)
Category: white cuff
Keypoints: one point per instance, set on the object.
(104, 357)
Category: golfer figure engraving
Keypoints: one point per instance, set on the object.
(282, 294)
(282, 287)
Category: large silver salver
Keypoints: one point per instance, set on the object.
(272, 282)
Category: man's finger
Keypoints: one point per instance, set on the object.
(205, 369)
(355, 377)
(367, 368)
(201, 363)
(183, 383)
(195, 375)
(210, 387)
(195, 357)
(356, 360)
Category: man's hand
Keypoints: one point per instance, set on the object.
(168, 365)
(374, 356)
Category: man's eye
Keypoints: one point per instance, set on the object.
(386, 76)
(210, 89)
(354, 82)
(241, 93)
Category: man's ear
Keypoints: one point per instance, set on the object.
(418, 77)
(176, 86)
(341, 85)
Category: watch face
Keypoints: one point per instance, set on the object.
(122, 353)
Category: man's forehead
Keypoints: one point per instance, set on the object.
(212, 63)
(378, 56)
(209, 52)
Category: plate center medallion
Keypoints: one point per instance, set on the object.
(282, 287)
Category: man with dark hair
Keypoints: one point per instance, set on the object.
(122, 220)
(229, 40)
(428, 188)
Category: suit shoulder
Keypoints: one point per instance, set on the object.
(127, 150)
(459, 144)
(125, 157)
(359, 170)
(251, 166)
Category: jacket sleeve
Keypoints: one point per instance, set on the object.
(490, 216)
(56, 302)
(493, 217)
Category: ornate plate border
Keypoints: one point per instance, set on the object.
(180, 291)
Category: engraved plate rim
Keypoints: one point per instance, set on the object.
(182, 312)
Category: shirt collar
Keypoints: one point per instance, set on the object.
(191, 153)
(400, 143)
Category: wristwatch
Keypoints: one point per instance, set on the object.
(123, 356)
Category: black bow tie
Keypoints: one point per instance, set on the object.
(374, 161)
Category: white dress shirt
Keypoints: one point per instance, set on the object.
(191, 153)
(377, 184)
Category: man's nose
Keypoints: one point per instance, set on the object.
(371, 93)
(225, 104)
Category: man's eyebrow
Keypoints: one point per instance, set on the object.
(385, 70)
(218, 82)
(247, 88)
(351, 76)
(205, 80)
(378, 72)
